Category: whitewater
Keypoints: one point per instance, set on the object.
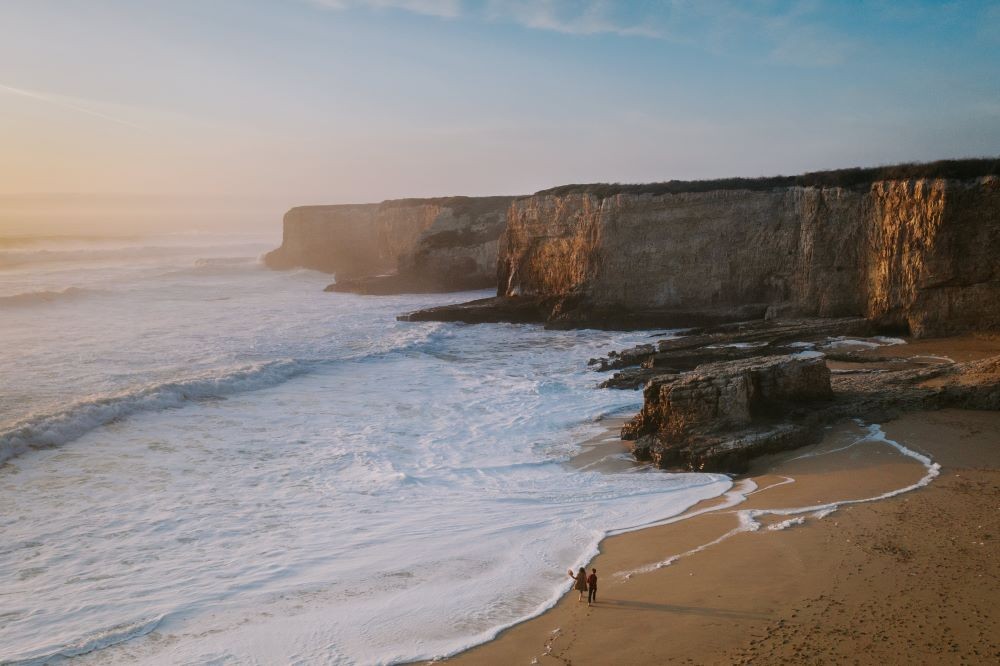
(204, 461)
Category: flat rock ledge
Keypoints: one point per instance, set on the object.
(719, 397)
(639, 364)
(485, 311)
(401, 283)
(568, 312)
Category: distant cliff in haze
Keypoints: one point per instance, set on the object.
(397, 246)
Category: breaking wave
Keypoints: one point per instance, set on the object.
(58, 428)
(44, 296)
(96, 641)
(16, 258)
(209, 266)
(224, 261)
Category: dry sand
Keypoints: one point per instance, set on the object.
(913, 579)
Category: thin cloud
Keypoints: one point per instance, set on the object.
(590, 18)
(65, 103)
(439, 8)
(791, 32)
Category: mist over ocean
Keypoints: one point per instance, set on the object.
(211, 462)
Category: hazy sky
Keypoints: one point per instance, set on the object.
(307, 101)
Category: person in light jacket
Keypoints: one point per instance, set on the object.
(581, 581)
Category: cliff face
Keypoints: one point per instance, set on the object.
(690, 254)
(417, 244)
(918, 254)
(933, 255)
(458, 250)
(348, 240)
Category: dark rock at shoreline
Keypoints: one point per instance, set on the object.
(721, 414)
(717, 397)
(699, 420)
(396, 283)
(484, 310)
(721, 343)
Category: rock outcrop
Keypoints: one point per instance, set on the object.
(406, 245)
(727, 342)
(716, 398)
(912, 255)
(720, 414)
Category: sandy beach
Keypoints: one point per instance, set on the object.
(913, 578)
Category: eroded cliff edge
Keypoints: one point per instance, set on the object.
(913, 255)
(403, 245)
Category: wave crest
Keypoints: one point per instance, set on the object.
(129, 253)
(44, 296)
(56, 429)
(97, 641)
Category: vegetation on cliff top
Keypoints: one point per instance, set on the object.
(853, 177)
(473, 206)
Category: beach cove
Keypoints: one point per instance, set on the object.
(876, 545)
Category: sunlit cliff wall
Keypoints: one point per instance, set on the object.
(917, 254)
(932, 258)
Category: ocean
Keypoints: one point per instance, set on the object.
(205, 461)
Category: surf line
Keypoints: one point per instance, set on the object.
(748, 517)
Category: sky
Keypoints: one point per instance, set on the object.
(239, 109)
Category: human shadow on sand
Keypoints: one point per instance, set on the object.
(682, 610)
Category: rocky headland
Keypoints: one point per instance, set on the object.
(717, 398)
(807, 266)
(397, 246)
(780, 275)
(914, 255)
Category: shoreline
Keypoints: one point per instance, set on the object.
(682, 570)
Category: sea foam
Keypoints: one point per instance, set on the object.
(48, 430)
(748, 519)
(43, 296)
(226, 463)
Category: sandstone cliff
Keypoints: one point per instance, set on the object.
(917, 255)
(397, 246)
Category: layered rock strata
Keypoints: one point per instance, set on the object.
(406, 245)
(722, 413)
(719, 397)
(911, 255)
(721, 343)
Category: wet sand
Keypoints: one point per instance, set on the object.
(906, 580)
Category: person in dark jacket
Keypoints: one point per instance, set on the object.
(581, 581)
(592, 587)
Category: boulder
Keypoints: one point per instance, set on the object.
(721, 414)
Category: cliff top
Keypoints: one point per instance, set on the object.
(853, 177)
(461, 205)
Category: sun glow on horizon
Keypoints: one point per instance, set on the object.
(317, 101)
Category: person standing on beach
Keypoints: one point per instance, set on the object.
(592, 587)
(581, 581)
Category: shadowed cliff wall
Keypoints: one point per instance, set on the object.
(431, 243)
